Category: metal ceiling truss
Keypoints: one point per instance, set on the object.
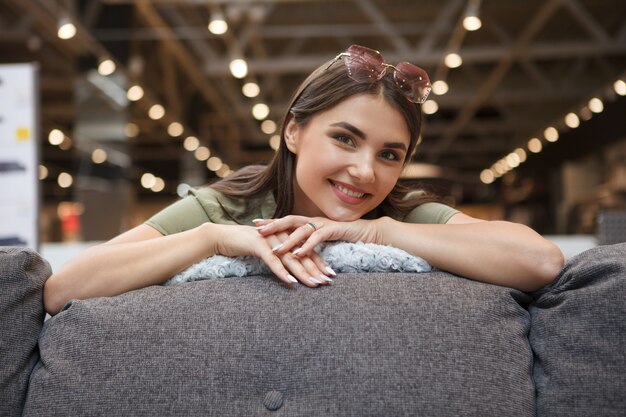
(529, 64)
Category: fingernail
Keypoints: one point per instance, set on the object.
(260, 227)
(257, 220)
(325, 278)
(315, 280)
(330, 271)
(291, 278)
(277, 247)
(297, 251)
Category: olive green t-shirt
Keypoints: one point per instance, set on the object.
(203, 205)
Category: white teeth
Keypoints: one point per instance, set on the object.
(349, 192)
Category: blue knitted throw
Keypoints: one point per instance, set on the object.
(341, 256)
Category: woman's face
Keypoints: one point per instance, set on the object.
(348, 158)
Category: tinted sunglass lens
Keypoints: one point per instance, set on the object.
(364, 64)
(413, 81)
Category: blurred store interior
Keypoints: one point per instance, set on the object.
(138, 99)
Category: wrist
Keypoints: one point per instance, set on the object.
(209, 235)
(381, 229)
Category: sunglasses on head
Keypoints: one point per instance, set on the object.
(366, 65)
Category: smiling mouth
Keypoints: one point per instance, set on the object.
(346, 191)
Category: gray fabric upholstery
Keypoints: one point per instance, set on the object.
(369, 345)
(22, 274)
(578, 334)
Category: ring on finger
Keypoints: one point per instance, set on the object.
(312, 226)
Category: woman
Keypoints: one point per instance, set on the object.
(351, 127)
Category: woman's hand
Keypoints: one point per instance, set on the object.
(289, 268)
(305, 233)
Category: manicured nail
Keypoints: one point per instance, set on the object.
(277, 247)
(315, 280)
(330, 271)
(260, 228)
(325, 278)
(257, 220)
(297, 251)
(291, 278)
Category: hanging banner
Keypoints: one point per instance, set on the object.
(19, 156)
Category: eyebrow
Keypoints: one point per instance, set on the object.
(359, 133)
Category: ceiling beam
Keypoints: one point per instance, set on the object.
(471, 55)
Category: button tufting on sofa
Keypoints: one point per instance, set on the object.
(273, 400)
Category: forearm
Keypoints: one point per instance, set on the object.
(496, 252)
(114, 268)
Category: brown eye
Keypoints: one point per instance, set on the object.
(390, 155)
(345, 139)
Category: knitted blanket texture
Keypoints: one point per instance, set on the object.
(341, 256)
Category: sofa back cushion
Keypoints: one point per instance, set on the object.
(578, 333)
(368, 345)
(22, 274)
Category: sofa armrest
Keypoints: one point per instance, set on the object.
(578, 335)
(22, 275)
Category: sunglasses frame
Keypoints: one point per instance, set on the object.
(401, 78)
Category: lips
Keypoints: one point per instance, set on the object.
(347, 193)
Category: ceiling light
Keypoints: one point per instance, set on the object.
(238, 68)
(275, 142)
(596, 105)
(513, 160)
(99, 156)
(535, 145)
(471, 21)
(453, 60)
(551, 134)
(191, 143)
(501, 167)
(175, 129)
(250, 89)
(159, 185)
(65, 180)
(134, 93)
(202, 153)
(440, 87)
(65, 28)
(148, 180)
(487, 177)
(223, 171)
(430, 107)
(131, 130)
(214, 163)
(43, 172)
(106, 67)
(260, 111)
(183, 189)
(620, 87)
(66, 144)
(55, 137)
(572, 120)
(268, 127)
(217, 24)
(156, 112)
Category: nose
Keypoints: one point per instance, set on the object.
(362, 168)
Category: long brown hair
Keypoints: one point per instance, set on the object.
(326, 87)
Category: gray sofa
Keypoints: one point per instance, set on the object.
(372, 344)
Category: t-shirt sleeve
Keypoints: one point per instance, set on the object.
(182, 215)
(430, 213)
